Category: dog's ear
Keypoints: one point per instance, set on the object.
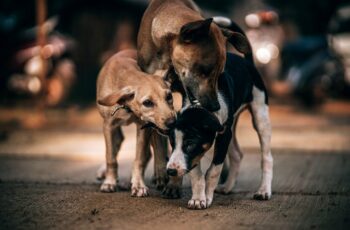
(238, 40)
(195, 31)
(119, 97)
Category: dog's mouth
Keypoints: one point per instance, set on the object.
(153, 126)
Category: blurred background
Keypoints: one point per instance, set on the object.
(48, 73)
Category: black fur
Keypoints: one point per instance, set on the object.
(197, 125)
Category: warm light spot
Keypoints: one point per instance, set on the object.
(252, 20)
(263, 55)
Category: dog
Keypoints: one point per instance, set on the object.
(127, 95)
(174, 36)
(176, 42)
(239, 87)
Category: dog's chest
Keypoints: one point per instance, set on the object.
(222, 114)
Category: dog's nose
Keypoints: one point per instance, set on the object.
(170, 123)
(171, 172)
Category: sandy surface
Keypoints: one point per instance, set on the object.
(47, 177)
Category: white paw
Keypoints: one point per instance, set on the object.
(109, 184)
(209, 201)
(222, 189)
(108, 187)
(139, 191)
(101, 172)
(197, 204)
(263, 194)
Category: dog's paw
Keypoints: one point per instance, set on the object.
(160, 181)
(209, 201)
(221, 189)
(171, 192)
(139, 191)
(101, 173)
(124, 186)
(262, 194)
(197, 204)
(108, 187)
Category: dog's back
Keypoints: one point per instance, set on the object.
(109, 77)
(156, 26)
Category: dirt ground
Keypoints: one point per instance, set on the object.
(47, 176)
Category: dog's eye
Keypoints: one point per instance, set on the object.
(189, 146)
(169, 98)
(148, 103)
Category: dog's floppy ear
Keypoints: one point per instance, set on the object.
(195, 31)
(119, 97)
(238, 40)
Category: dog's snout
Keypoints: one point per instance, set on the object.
(171, 172)
(170, 123)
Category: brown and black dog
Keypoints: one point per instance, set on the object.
(175, 39)
(173, 35)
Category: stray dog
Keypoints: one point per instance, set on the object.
(196, 129)
(174, 36)
(175, 41)
(125, 94)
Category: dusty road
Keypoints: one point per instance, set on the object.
(47, 177)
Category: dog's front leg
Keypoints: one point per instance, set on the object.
(198, 200)
(212, 176)
(113, 139)
(138, 186)
(235, 156)
(211, 181)
(160, 150)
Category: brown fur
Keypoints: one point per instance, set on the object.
(121, 82)
(161, 46)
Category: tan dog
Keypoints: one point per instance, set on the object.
(140, 98)
(173, 35)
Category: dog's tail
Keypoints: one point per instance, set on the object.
(227, 23)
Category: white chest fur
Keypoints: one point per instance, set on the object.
(222, 114)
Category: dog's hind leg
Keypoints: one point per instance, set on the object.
(138, 186)
(235, 156)
(261, 122)
(113, 139)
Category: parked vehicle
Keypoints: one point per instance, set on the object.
(29, 61)
(318, 67)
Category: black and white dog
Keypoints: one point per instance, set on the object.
(239, 87)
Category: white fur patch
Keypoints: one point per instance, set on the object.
(222, 21)
(222, 114)
(177, 160)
